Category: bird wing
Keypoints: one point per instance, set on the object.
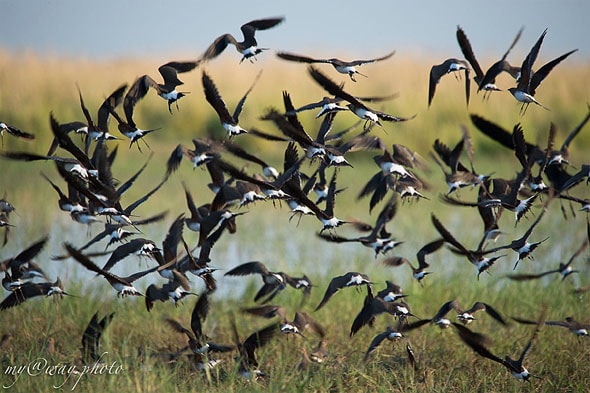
(498, 67)
(199, 315)
(261, 24)
(428, 249)
(368, 61)
(242, 101)
(375, 342)
(108, 105)
(526, 70)
(476, 341)
(299, 58)
(335, 285)
(332, 87)
(467, 50)
(215, 100)
(253, 267)
(542, 72)
(447, 235)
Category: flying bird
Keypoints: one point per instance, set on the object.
(446, 67)
(530, 80)
(91, 337)
(349, 279)
(342, 66)
(354, 104)
(228, 121)
(166, 90)
(12, 130)
(123, 285)
(248, 47)
(479, 76)
(417, 272)
(478, 342)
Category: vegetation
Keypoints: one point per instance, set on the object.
(32, 87)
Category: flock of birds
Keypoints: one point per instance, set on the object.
(93, 195)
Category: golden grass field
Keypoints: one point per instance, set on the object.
(32, 86)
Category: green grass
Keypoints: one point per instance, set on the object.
(36, 86)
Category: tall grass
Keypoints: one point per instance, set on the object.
(32, 87)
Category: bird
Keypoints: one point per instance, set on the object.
(475, 257)
(32, 289)
(12, 130)
(374, 306)
(342, 66)
(466, 316)
(390, 333)
(228, 121)
(166, 90)
(354, 105)
(128, 127)
(565, 269)
(21, 266)
(391, 292)
(379, 239)
(491, 230)
(529, 81)
(576, 327)
(5, 209)
(446, 67)
(274, 282)
(478, 343)
(460, 176)
(500, 66)
(290, 126)
(99, 131)
(479, 76)
(267, 170)
(247, 362)
(92, 335)
(198, 342)
(332, 104)
(349, 279)
(204, 152)
(123, 285)
(522, 246)
(438, 319)
(556, 174)
(117, 233)
(298, 325)
(174, 289)
(417, 272)
(248, 48)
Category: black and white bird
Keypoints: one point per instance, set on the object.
(530, 80)
(274, 282)
(448, 66)
(479, 76)
(228, 121)
(417, 272)
(123, 285)
(342, 66)
(248, 48)
(478, 342)
(166, 90)
(370, 116)
(12, 130)
(350, 279)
